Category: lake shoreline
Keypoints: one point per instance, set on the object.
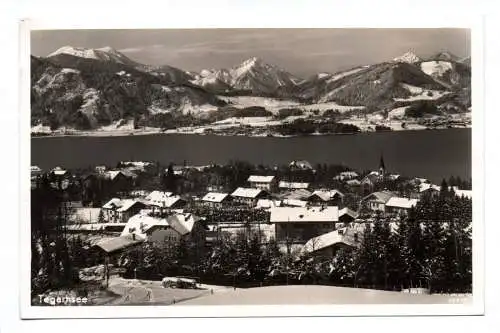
(123, 133)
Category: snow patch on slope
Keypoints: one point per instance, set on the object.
(421, 93)
(435, 68)
(344, 74)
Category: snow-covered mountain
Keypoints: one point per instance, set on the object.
(408, 57)
(88, 88)
(252, 75)
(106, 53)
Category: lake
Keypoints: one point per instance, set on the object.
(432, 154)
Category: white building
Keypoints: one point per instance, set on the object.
(262, 182)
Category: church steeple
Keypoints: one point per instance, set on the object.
(382, 165)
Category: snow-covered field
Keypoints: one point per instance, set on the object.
(315, 294)
(274, 105)
(420, 93)
(398, 112)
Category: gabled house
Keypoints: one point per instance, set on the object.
(168, 230)
(267, 183)
(322, 197)
(367, 184)
(216, 199)
(120, 210)
(399, 205)
(161, 204)
(283, 185)
(347, 215)
(376, 201)
(300, 194)
(249, 196)
(329, 243)
(298, 224)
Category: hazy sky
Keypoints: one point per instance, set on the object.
(302, 52)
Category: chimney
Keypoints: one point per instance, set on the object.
(133, 236)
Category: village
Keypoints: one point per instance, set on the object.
(311, 218)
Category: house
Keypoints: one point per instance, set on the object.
(399, 205)
(100, 169)
(298, 224)
(328, 244)
(283, 185)
(35, 171)
(267, 203)
(262, 182)
(346, 175)
(463, 193)
(294, 203)
(118, 244)
(347, 215)
(168, 202)
(354, 184)
(120, 210)
(427, 189)
(118, 180)
(59, 172)
(157, 197)
(320, 197)
(165, 230)
(367, 184)
(300, 194)
(376, 201)
(139, 166)
(216, 199)
(249, 196)
(301, 165)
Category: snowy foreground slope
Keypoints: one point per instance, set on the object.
(314, 294)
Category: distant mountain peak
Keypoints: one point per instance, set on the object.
(446, 56)
(409, 57)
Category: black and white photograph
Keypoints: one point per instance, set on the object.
(250, 166)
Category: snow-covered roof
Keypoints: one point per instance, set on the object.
(260, 179)
(383, 196)
(353, 182)
(304, 214)
(59, 171)
(401, 202)
(339, 236)
(35, 168)
(426, 186)
(298, 194)
(267, 203)
(465, 193)
(112, 174)
(294, 202)
(346, 175)
(302, 164)
(293, 185)
(119, 243)
(166, 202)
(327, 195)
(214, 197)
(182, 223)
(158, 196)
(120, 205)
(348, 211)
(139, 224)
(244, 192)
